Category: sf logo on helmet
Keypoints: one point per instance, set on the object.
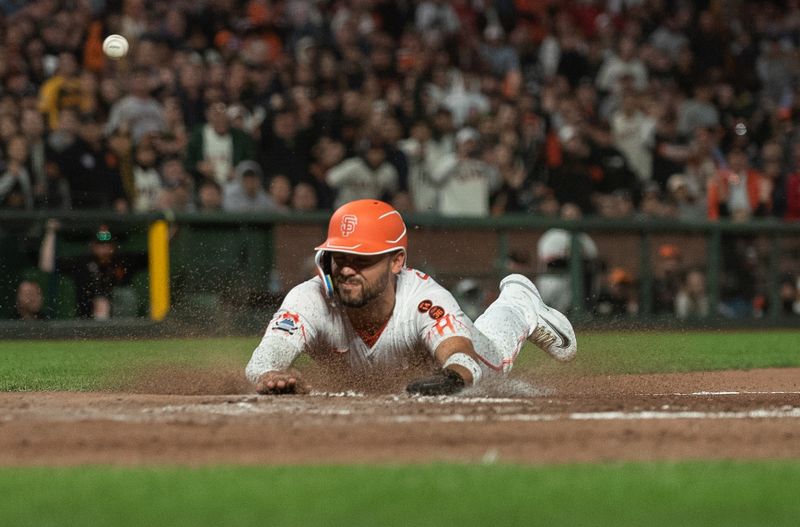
(348, 226)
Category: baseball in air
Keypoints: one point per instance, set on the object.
(115, 46)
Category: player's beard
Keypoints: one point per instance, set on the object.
(360, 297)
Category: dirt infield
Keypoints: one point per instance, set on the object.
(743, 414)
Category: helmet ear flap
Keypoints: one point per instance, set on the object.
(323, 262)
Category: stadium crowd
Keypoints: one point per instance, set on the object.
(617, 109)
(625, 108)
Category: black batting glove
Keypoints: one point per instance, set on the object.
(447, 382)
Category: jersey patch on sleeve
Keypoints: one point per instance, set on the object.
(287, 322)
(436, 312)
(424, 306)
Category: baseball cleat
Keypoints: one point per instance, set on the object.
(552, 333)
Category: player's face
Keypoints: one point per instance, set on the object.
(358, 279)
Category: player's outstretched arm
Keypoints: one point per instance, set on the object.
(281, 382)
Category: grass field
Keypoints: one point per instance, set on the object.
(92, 365)
(631, 494)
(685, 494)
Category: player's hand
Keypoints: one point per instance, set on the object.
(447, 382)
(281, 382)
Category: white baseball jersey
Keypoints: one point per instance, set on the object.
(424, 315)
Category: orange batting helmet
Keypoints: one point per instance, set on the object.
(365, 226)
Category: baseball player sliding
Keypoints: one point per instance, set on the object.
(368, 311)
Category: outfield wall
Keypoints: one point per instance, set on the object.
(225, 263)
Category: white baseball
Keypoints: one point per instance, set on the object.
(115, 46)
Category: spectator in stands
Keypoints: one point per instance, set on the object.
(366, 175)
(624, 63)
(571, 175)
(686, 206)
(466, 183)
(501, 57)
(178, 196)
(789, 295)
(617, 296)
(437, 21)
(8, 125)
(285, 146)
(670, 150)
(215, 148)
(96, 274)
(633, 133)
(652, 205)
(701, 165)
(668, 278)
(670, 35)
(698, 111)
(304, 197)
(777, 67)
(16, 187)
(32, 127)
(209, 196)
(772, 168)
(739, 280)
(173, 172)
(246, 192)
(390, 132)
(417, 150)
(692, 298)
(280, 191)
(443, 137)
(147, 182)
(738, 192)
(190, 92)
(139, 112)
(793, 186)
(30, 302)
(326, 154)
(516, 192)
(174, 139)
(84, 164)
(62, 90)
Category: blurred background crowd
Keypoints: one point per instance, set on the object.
(624, 109)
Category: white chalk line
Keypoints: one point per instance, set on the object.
(246, 408)
(500, 400)
(723, 393)
(601, 416)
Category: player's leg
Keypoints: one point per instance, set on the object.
(519, 314)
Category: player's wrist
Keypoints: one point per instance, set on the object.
(466, 366)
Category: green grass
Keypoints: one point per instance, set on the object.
(86, 365)
(676, 351)
(687, 494)
(97, 364)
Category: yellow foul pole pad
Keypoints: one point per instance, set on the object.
(158, 260)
